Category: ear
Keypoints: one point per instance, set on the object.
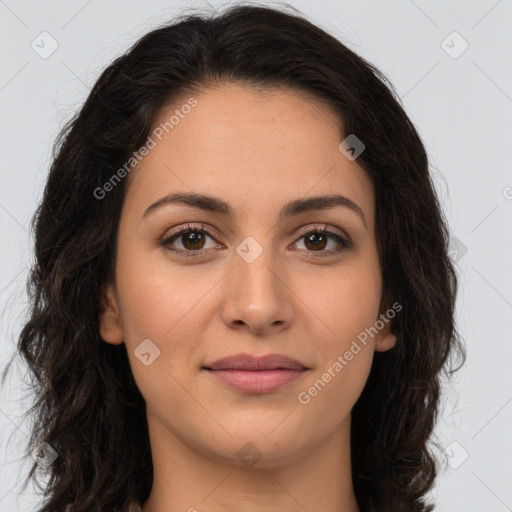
(109, 319)
(385, 340)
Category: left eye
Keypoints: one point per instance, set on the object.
(317, 239)
(193, 239)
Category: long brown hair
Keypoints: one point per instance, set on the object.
(88, 408)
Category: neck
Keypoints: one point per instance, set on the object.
(317, 478)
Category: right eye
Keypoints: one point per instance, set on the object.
(192, 239)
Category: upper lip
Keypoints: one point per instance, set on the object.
(249, 362)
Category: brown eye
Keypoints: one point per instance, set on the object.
(193, 240)
(316, 241)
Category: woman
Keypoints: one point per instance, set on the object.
(242, 298)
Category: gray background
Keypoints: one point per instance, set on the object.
(461, 104)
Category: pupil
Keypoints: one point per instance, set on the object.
(316, 244)
(194, 238)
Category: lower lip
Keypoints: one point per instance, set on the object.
(257, 381)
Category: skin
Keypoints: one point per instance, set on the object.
(255, 150)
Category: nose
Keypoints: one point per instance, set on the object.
(257, 297)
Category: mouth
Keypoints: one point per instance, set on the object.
(256, 375)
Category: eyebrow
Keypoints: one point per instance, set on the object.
(293, 208)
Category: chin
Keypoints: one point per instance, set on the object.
(269, 445)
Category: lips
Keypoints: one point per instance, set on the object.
(251, 363)
(257, 375)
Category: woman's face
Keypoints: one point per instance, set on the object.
(250, 281)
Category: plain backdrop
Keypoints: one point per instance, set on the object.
(451, 65)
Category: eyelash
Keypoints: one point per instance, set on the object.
(346, 244)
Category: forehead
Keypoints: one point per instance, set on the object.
(253, 148)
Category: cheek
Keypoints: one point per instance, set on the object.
(159, 297)
(344, 301)
(172, 306)
(164, 307)
(338, 381)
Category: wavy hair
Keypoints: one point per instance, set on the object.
(88, 407)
